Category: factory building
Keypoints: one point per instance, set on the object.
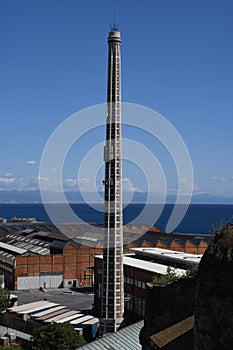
(31, 259)
(139, 268)
(34, 255)
(25, 318)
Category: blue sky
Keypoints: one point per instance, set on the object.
(176, 59)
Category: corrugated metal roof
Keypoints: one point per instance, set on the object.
(79, 321)
(125, 339)
(51, 314)
(61, 316)
(151, 266)
(28, 306)
(71, 317)
(38, 308)
(12, 248)
(52, 235)
(75, 244)
(168, 254)
(148, 266)
(57, 247)
(8, 258)
(49, 311)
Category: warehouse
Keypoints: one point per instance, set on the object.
(139, 268)
(15, 317)
(31, 259)
(42, 255)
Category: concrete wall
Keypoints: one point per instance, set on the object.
(35, 282)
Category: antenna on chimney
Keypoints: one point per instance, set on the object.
(114, 26)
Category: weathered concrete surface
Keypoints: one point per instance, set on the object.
(214, 309)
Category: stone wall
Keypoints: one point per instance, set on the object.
(214, 309)
(167, 305)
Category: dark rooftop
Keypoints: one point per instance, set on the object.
(125, 339)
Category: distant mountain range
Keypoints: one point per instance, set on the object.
(76, 197)
(207, 198)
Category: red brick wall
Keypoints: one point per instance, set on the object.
(202, 247)
(161, 245)
(176, 246)
(75, 263)
(190, 248)
(79, 263)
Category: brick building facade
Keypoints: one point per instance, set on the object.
(32, 259)
(139, 269)
(35, 255)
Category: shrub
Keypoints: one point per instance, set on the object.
(56, 336)
(192, 271)
(165, 279)
(4, 298)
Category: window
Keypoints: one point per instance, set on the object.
(143, 285)
(99, 289)
(143, 307)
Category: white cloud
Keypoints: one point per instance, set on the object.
(8, 175)
(37, 179)
(30, 162)
(7, 180)
(33, 183)
(219, 178)
(128, 186)
(43, 179)
(184, 185)
(70, 182)
(87, 185)
(85, 180)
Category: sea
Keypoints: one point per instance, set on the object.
(199, 218)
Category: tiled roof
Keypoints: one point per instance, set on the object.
(125, 339)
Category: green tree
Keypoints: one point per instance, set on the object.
(4, 298)
(56, 336)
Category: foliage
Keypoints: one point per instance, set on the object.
(192, 271)
(4, 298)
(165, 279)
(217, 228)
(56, 336)
(13, 347)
